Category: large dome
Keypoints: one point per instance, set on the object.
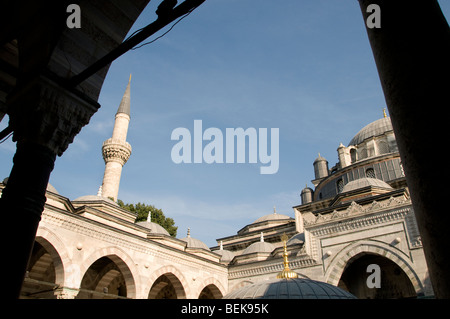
(379, 127)
(298, 288)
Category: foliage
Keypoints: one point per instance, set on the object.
(157, 216)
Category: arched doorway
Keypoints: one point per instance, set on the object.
(167, 286)
(103, 280)
(210, 292)
(40, 277)
(394, 283)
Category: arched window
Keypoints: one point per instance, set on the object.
(353, 155)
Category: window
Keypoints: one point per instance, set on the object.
(383, 147)
(353, 155)
(340, 185)
(370, 173)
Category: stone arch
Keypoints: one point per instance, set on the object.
(176, 279)
(214, 287)
(57, 250)
(123, 262)
(45, 270)
(340, 261)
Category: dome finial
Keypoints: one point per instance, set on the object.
(286, 273)
(149, 217)
(384, 112)
(189, 232)
(261, 238)
(274, 210)
(221, 245)
(99, 193)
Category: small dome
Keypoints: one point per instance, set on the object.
(296, 239)
(193, 242)
(306, 190)
(259, 247)
(49, 188)
(94, 198)
(226, 255)
(298, 288)
(376, 128)
(364, 182)
(154, 227)
(320, 159)
(273, 216)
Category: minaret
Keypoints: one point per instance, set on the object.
(116, 151)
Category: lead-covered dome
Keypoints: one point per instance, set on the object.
(94, 198)
(193, 242)
(271, 217)
(364, 182)
(297, 288)
(153, 227)
(259, 247)
(376, 128)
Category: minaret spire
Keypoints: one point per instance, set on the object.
(116, 150)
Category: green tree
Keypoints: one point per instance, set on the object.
(158, 216)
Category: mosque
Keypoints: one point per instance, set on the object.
(358, 213)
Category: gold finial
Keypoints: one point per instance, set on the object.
(129, 80)
(286, 273)
(384, 112)
(274, 210)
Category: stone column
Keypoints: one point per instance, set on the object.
(45, 118)
(411, 51)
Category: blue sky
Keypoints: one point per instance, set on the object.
(304, 67)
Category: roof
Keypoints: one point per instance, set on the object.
(273, 216)
(124, 106)
(226, 255)
(259, 247)
(193, 242)
(298, 288)
(376, 128)
(154, 227)
(364, 182)
(94, 198)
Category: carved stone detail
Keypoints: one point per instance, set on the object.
(48, 114)
(116, 150)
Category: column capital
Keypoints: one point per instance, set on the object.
(48, 114)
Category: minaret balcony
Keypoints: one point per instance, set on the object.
(116, 150)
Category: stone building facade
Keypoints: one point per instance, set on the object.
(358, 214)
